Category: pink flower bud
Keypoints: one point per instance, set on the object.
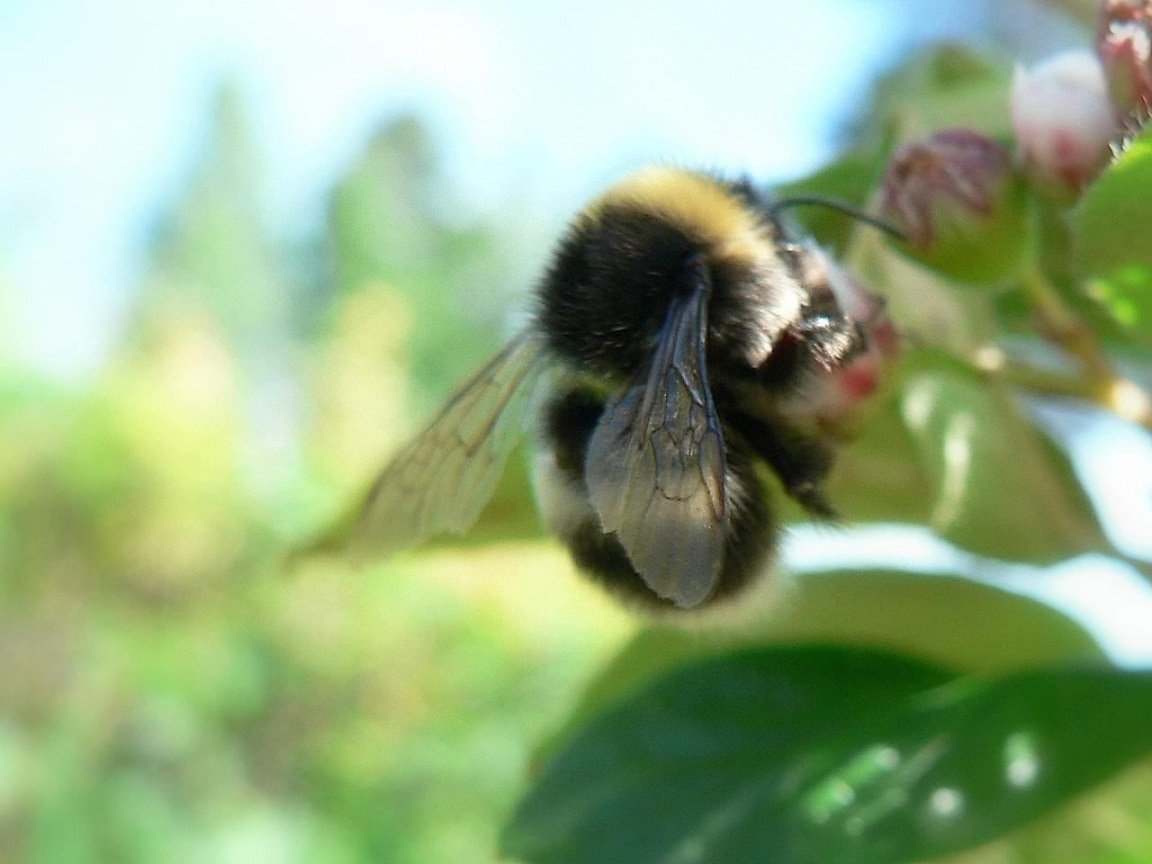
(958, 202)
(1064, 122)
(1124, 44)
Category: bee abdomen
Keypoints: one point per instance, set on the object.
(569, 418)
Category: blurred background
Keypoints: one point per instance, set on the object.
(244, 249)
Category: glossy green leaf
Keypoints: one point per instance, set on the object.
(999, 487)
(914, 614)
(878, 476)
(954, 451)
(1111, 233)
(830, 755)
(1110, 825)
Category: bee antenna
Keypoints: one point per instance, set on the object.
(839, 206)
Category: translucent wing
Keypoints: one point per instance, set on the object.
(655, 465)
(441, 479)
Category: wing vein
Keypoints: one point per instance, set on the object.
(655, 466)
(441, 479)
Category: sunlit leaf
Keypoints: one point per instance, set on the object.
(914, 614)
(999, 487)
(953, 451)
(879, 477)
(830, 755)
(1111, 232)
(1108, 826)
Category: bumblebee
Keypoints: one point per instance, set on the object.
(682, 340)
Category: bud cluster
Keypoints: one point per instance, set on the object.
(1124, 45)
(958, 195)
(956, 198)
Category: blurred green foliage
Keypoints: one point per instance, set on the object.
(172, 690)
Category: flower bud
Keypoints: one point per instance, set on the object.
(1124, 45)
(1064, 122)
(959, 204)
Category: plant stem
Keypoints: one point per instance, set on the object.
(1059, 325)
(1101, 383)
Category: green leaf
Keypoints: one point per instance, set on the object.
(914, 614)
(949, 85)
(999, 487)
(1111, 232)
(881, 474)
(831, 755)
(952, 450)
(879, 477)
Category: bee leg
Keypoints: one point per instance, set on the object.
(830, 343)
(802, 469)
(800, 458)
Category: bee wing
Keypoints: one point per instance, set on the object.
(655, 464)
(441, 479)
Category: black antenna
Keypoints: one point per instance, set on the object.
(839, 206)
